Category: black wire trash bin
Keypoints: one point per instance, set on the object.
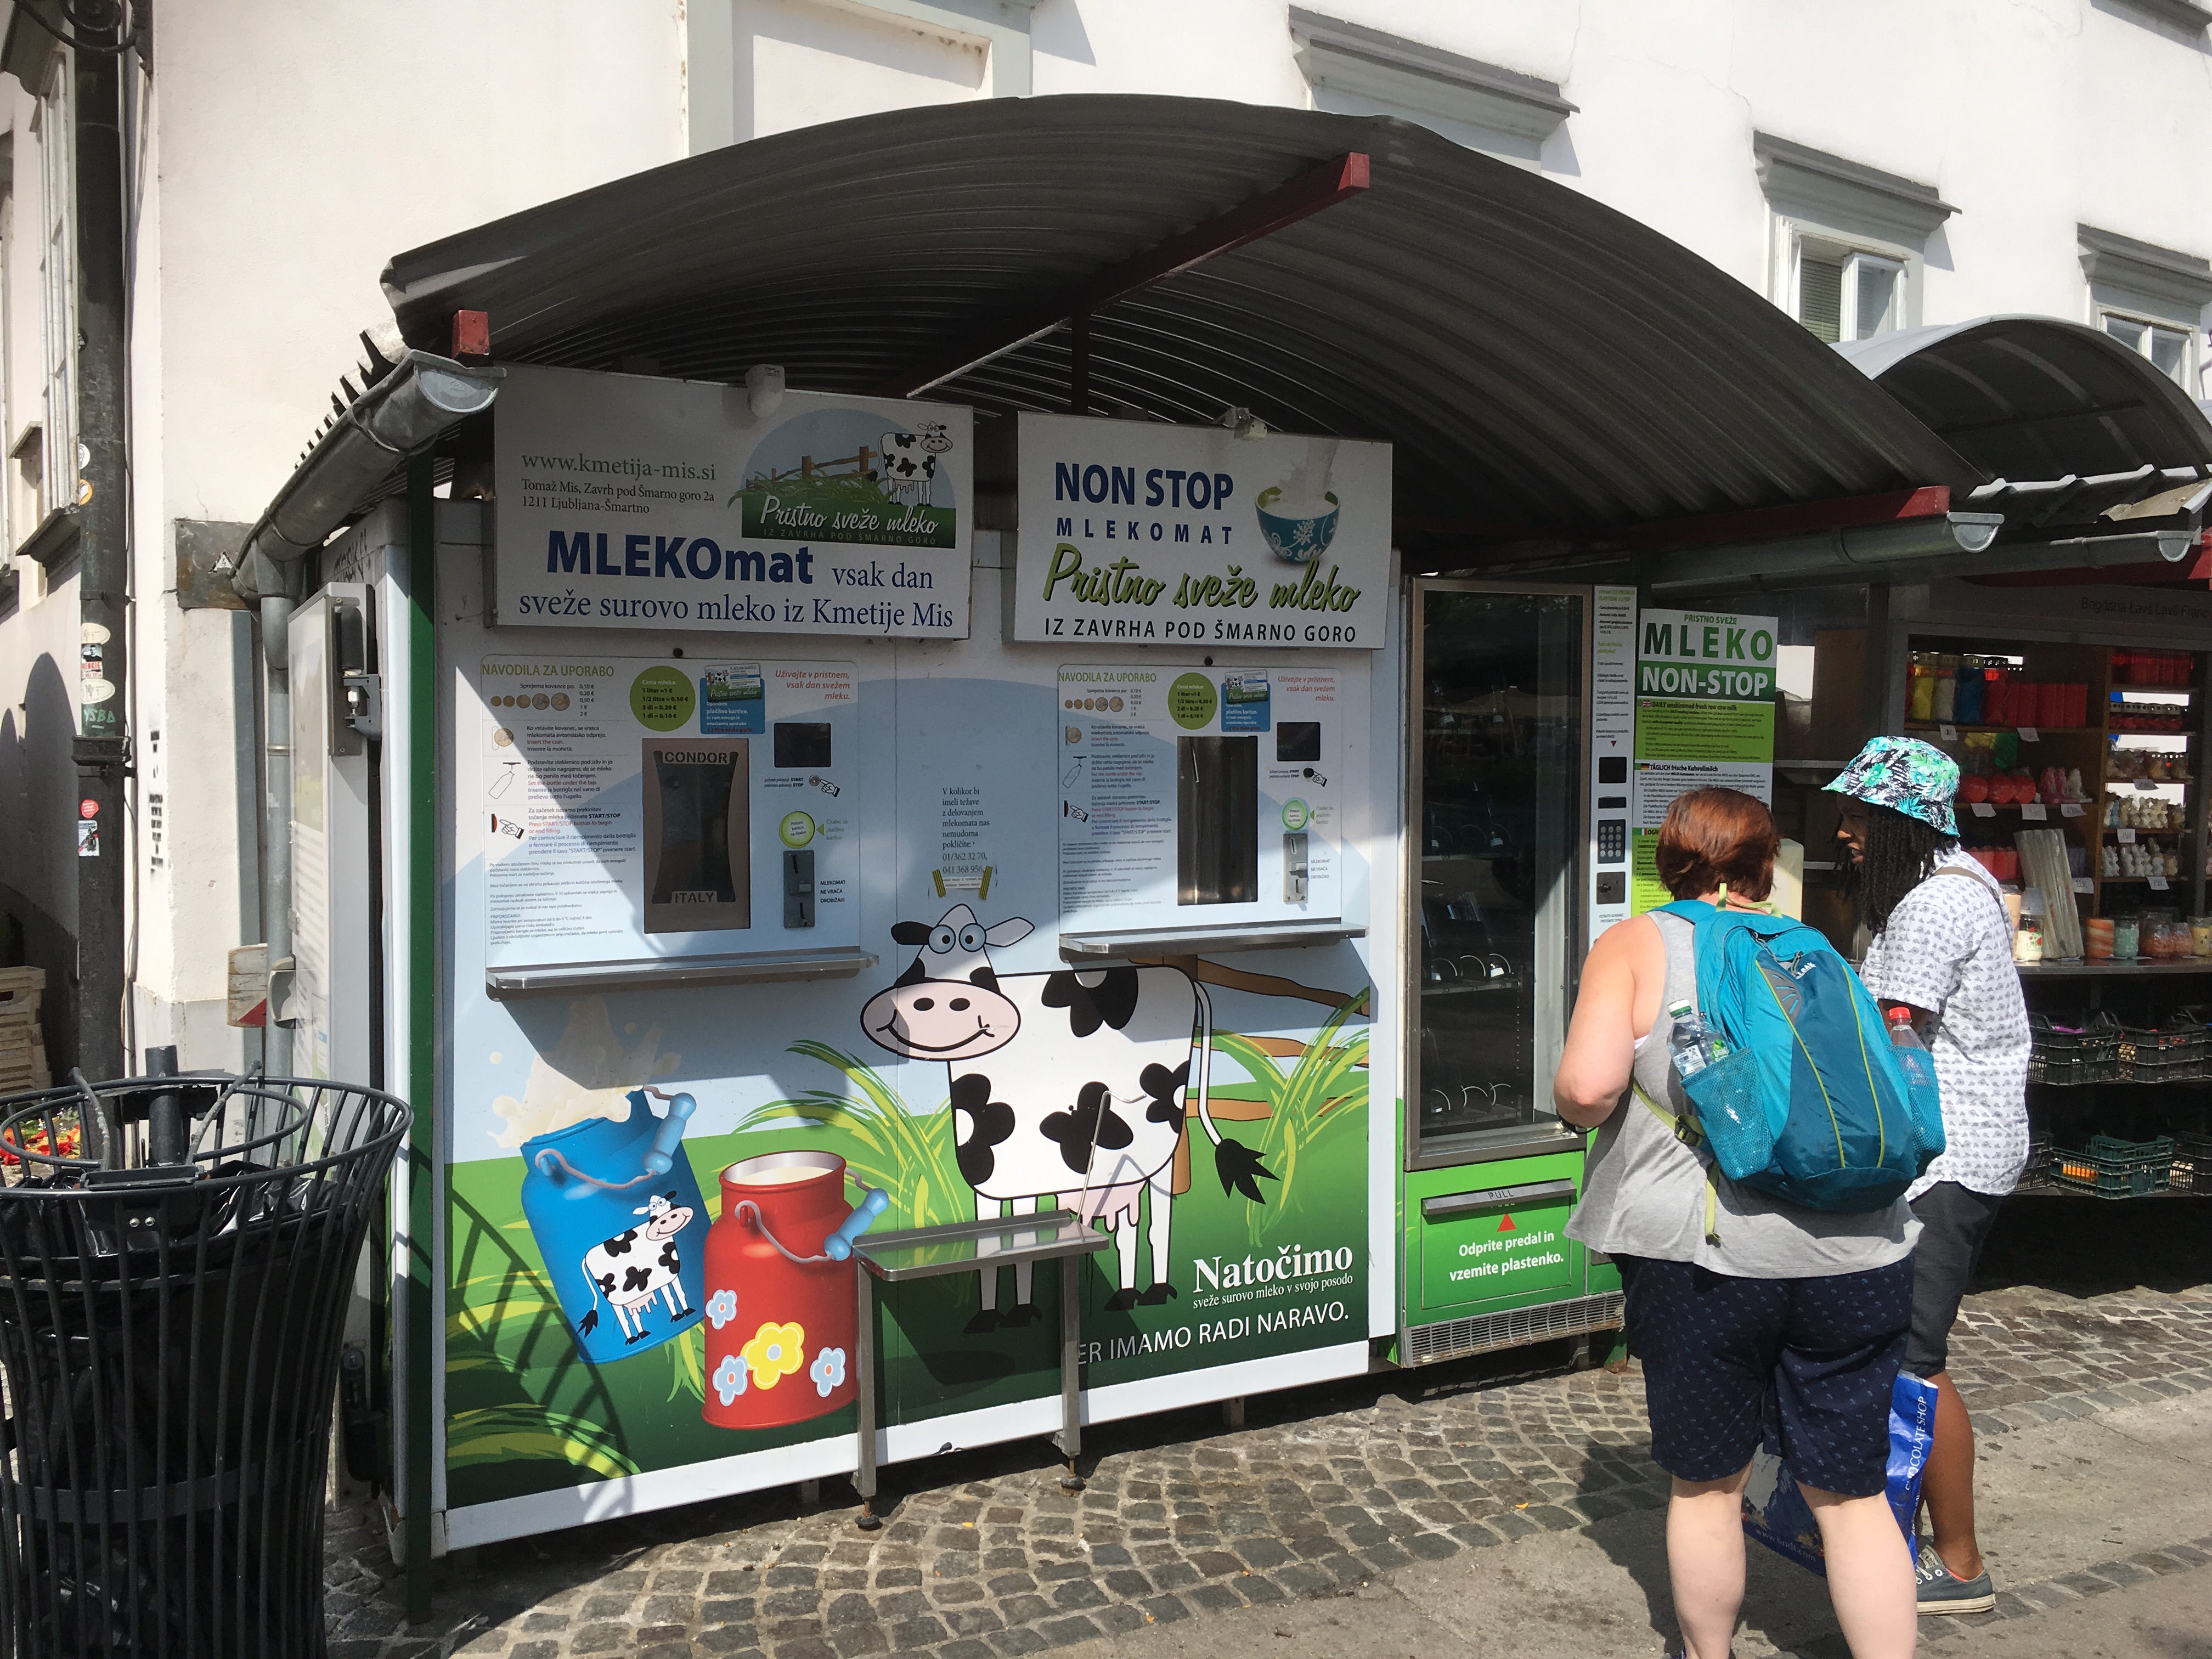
(178, 1255)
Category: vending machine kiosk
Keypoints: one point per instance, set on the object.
(1518, 737)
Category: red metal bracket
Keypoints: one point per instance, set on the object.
(1307, 194)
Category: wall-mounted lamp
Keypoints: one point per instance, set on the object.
(764, 389)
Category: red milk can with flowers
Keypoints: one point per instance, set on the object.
(780, 1311)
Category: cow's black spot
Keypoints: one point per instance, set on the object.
(669, 1258)
(620, 1244)
(1109, 1002)
(1094, 1122)
(984, 977)
(636, 1279)
(989, 1122)
(1161, 1085)
(914, 974)
(606, 1283)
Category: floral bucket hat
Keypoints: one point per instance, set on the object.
(1907, 775)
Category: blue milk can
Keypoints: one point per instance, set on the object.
(618, 1218)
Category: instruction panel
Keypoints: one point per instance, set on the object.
(638, 808)
(1199, 796)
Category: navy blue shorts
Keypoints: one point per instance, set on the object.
(1721, 1355)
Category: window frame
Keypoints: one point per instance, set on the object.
(1796, 238)
(2153, 325)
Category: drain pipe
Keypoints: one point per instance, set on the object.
(276, 827)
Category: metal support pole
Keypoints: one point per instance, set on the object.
(864, 1400)
(1874, 710)
(424, 1304)
(104, 563)
(277, 820)
(1071, 1367)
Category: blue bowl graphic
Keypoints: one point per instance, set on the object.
(1299, 540)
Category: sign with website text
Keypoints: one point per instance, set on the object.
(1704, 719)
(627, 502)
(1145, 533)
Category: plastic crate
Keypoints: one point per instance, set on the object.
(2176, 1047)
(2036, 1172)
(2111, 1168)
(2192, 1164)
(2068, 1049)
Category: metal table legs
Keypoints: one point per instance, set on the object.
(1071, 1370)
(864, 1402)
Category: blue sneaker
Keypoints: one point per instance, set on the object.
(1943, 1591)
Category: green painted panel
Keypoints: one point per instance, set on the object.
(1500, 1254)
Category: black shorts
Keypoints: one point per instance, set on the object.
(1721, 1354)
(1954, 1223)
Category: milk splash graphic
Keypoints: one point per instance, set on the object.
(1299, 516)
(588, 1073)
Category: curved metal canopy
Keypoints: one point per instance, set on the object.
(2044, 407)
(1546, 366)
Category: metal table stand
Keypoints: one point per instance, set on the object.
(973, 1246)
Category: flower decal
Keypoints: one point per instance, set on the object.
(828, 1371)
(729, 1376)
(721, 1309)
(775, 1351)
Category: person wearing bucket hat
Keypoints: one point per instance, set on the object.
(1941, 946)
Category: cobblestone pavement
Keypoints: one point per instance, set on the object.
(1325, 1487)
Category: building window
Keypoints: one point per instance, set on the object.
(2150, 299)
(1846, 293)
(2166, 348)
(1850, 241)
(58, 287)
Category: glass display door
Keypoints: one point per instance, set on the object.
(1499, 732)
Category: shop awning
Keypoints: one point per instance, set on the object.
(2066, 422)
(1546, 366)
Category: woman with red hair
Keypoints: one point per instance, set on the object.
(1741, 1307)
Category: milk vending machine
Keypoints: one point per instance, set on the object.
(1519, 728)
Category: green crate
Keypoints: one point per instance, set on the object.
(2111, 1168)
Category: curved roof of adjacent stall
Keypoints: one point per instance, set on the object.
(1545, 365)
(2066, 421)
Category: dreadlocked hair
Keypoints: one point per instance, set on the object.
(1900, 854)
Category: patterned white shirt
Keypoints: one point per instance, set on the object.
(1948, 949)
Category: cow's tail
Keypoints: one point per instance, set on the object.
(590, 1322)
(1237, 1163)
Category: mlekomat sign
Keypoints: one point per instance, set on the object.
(627, 501)
(1139, 532)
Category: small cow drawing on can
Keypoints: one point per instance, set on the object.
(1074, 1083)
(634, 1266)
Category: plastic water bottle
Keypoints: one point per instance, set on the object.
(1694, 1047)
(1912, 1053)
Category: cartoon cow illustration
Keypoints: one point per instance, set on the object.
(628, 1273)
(1072, 1083)
(910, 466)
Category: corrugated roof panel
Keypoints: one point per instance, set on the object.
(1545, 365)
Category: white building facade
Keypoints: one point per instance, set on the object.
(1865, 164)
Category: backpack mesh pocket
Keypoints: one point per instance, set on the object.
(1732, 1113)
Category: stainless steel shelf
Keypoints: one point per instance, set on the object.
(658, 973)
(1192, 941)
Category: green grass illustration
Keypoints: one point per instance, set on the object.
(1308, 1105)
(907, 1153)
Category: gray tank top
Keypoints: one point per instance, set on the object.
(1644, 1192)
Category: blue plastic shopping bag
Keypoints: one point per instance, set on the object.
(1775, 1512)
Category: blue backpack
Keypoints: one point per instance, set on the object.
(1812, 1104)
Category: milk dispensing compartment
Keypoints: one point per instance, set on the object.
(667, 819)
(1199, 803)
